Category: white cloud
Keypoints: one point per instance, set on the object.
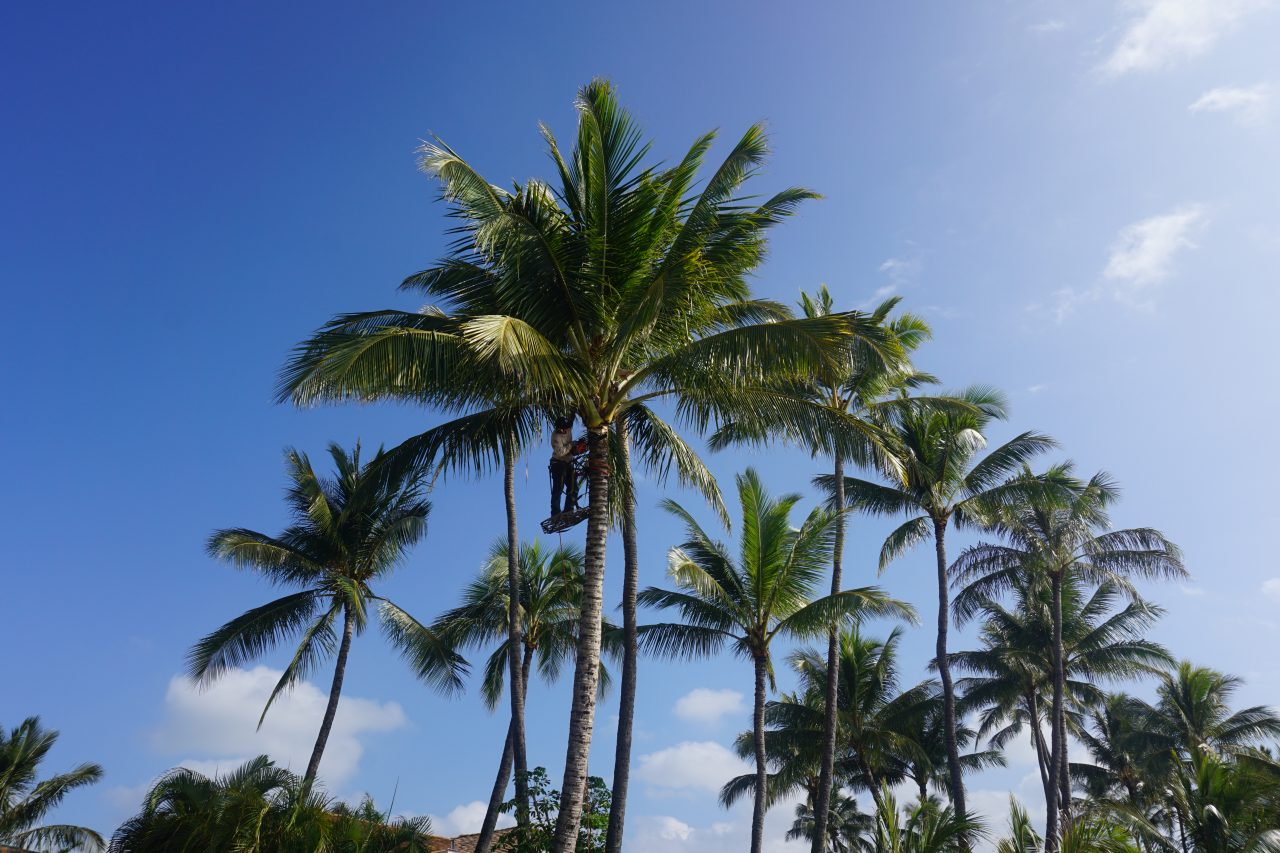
(672, 835)
(1162, 32)
(691, 765)
(703, 705)
(1193, 591)
(215, 729)
(465, 819)
(1037, 388)
(1246, 105)
(1271, 588)
(900, 272)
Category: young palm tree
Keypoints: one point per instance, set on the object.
(26, 799)
(261, 808)
(550, 595)
(940, 481)
(1022, 836)
(1055, 540)
(767, 593)
(349, 532)
(619, 285)
(922, 828)
(860, 386)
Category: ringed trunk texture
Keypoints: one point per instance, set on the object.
(499, 792)
(586, 671)
(762, 775)
(627, 699)
(515, 636)
(1053, 803)
(1060, 708)
(335, 692)
(955, 782)
(822, 808)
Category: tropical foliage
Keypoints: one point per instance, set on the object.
(26, 800)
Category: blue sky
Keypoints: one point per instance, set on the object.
(1080, 197)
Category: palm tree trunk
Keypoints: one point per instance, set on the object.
(822, 807)
(627, 698)
(335, 692)
(1042, 752)
(499, 792)
(762, 775)
(515, 635)
(873, 783)
(1052, 828)
(955, 782)
(586, 671)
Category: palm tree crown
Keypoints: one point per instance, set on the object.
(348, 532)
(26, 799)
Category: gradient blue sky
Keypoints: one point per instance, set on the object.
(1080, 196)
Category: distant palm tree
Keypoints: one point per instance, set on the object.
(348, 532)
(768, 593)
(550, 596)
(619, 285)
(26, 799)
(1055, 540)
(940, 480)
(861, 386)
(848, 829)
(1193, 712)
(261, 808)
(1012, 676)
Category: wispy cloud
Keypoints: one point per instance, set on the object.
(1037, 388)
(1271, 588)
(1141, 259)
(1246, 105)
(1161, 33)
(1053, 25)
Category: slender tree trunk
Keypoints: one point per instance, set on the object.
(955, 782)
(627, 698)
(762, 773)
(499, 792)
(586, 671)
(1052, 823)
(515, 635)
(822, 808)
(873, 782)
(1042, 752)
(1060, 700)
(335, 692)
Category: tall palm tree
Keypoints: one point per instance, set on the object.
(26, 799)
(922, 827)
(550, 596)
(858, 386)
(619, 285)
(940, 481)
(1012, 679)
(767, 593)
(349, 531)
(1056, 539)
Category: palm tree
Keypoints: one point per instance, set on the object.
(766, 594)
(940, 481)
(922, 828)
(848, 829)
(619, 286)
(261, 808)
(859, 386)
(1013, 670)
(548, 609)
(926, 763)
(1056, 539)
(1194, 715)
(25, 799)
(348, 532)
(1022, 836)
